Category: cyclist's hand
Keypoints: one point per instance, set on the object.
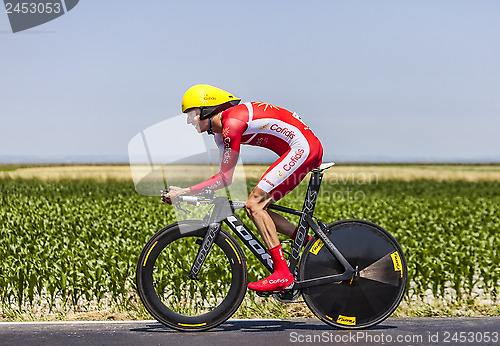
(173, 192)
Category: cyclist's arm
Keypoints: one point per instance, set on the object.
(231, 139)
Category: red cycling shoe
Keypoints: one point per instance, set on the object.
(274, 283)
(279, 279)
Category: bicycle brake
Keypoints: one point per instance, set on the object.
(178, 206)
(322, 225)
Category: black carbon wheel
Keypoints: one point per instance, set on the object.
(371, 296)
(182, 303)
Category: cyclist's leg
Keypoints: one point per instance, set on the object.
(284, 179)
(259, 200)
(291, 168)
(281, 178)
(255, 207)
(283, 226)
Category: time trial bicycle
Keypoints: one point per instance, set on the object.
(192, 275)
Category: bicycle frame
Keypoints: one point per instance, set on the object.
(224, 210)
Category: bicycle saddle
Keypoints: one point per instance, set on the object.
(325, 166)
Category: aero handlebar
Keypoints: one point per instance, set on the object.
(189, 199)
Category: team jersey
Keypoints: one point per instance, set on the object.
(271, 127)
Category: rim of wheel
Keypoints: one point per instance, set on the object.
(188, 307)
(377, 289)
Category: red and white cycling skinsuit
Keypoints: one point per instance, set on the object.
(271, 127)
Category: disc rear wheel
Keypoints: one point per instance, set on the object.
(376, 288)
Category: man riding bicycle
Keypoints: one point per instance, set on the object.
(213, 110)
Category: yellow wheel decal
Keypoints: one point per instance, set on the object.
(191, 325)
(239, 261)
(396, 260)
(145, 260)
(317, 246)
(349, 321)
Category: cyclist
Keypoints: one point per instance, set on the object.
(213, 110)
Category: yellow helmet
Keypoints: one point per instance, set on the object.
(209, 99)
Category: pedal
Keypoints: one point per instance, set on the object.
(289, 296)
(263, 294)
(269, 293)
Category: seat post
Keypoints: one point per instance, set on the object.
(312, 191)
(307, 209)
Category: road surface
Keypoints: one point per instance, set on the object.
(393, 331)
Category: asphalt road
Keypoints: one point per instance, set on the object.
(393, 331)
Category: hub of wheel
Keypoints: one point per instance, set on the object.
(355, 275)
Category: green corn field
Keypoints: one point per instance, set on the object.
(73, 245)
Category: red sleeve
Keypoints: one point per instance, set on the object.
(231, 135)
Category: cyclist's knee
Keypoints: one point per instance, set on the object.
(255, 207)
(252, 208)
(257, 202)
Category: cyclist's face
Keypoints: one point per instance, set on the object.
(193, 118)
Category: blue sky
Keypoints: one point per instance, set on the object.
(376, 80)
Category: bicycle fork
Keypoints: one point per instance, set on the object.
(221, 210)
(206, 244)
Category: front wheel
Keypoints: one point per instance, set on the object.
(377, 287)
(183, 303)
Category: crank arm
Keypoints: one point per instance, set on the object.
(322, 280)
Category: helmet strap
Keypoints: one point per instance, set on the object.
(210, 132)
